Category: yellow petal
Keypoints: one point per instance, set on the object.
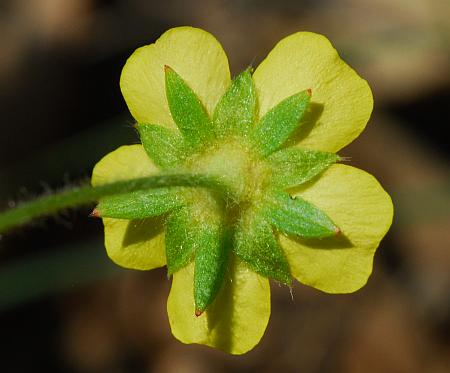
(193, 53)
(361, 208)
(341, 101)
(236, 320)
(126, 162)
(137, 244)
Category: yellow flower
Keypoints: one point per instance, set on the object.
(354, 202)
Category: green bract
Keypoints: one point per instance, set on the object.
(272, 217)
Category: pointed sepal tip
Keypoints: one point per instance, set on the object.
(95, 213)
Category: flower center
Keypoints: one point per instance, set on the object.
(235, 165)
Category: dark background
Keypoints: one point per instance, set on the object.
(64, 307)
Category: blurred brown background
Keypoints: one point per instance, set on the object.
(65, 308)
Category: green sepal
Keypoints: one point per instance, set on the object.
(256, 245)
(164, 146)
(297, 217)
(187, 110)
(140, 204)
(211, 261)
(236, 110)
(181, 239)
(294, 166)
(192, 233)
(279, 123)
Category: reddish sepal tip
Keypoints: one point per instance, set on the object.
(309, 91)
(337, 231)
(167, 68)
(94, 214)
(198, 313)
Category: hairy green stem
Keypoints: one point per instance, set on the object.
(82, 195)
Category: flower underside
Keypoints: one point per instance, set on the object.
(249, 157)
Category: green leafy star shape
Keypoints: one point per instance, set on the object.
(197, 228)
